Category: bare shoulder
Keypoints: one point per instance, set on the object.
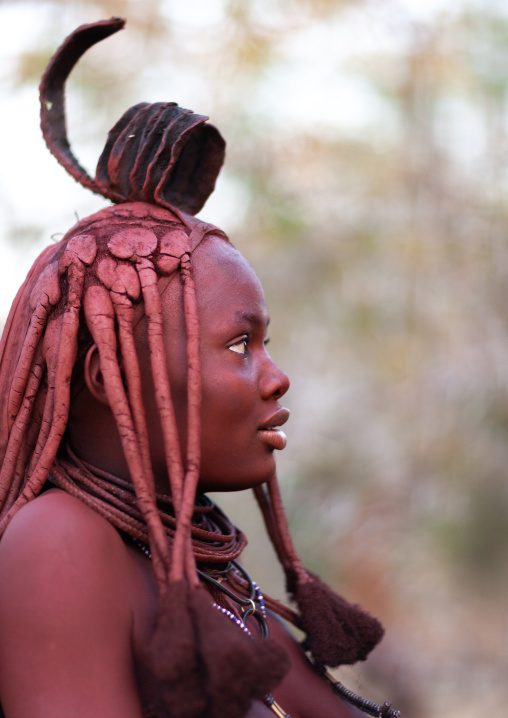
(56, 516)
(60, 549)
(65, 613)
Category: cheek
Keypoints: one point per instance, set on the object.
(230, 399)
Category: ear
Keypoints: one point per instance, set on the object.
(93, 375)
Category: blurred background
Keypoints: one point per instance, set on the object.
(366, 181)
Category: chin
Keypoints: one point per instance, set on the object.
(236, 481)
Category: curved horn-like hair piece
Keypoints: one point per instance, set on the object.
(52, 93)
(158, 153)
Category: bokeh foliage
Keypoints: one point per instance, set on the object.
(366, 181)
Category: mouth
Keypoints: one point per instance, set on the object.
(271, 433)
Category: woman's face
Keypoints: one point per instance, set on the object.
(241, 385)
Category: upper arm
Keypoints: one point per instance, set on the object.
(302, 691)
(65, 626)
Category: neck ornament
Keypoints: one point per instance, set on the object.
(254, 606)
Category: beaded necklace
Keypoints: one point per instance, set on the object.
(252, 606)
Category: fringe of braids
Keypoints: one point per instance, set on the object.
(159, 165)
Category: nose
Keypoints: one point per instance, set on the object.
(274, 381)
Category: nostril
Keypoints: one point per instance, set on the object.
(274, 382)
(283, 384)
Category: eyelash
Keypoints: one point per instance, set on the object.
(245, 341)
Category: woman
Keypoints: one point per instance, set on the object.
(134, 378)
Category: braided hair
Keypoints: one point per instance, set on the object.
(158, 167)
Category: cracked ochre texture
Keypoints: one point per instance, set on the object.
(100, 271)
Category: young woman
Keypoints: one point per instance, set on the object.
(134, 378)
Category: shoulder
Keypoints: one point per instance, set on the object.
(54, 516)
(65, 613)
(57, 551)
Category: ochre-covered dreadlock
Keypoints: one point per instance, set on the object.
(159, 166)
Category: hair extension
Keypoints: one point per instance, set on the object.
(337, 632)
(159, 165)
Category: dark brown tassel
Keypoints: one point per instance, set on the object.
(337, 631)
(203, 664)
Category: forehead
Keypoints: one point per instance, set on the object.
(228, 291)
(226, 281)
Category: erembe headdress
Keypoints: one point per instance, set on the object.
(158, 167)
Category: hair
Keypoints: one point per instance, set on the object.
(159, 165)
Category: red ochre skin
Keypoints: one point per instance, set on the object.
(76, 603)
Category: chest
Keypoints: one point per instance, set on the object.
(302, 693)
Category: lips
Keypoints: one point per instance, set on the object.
(271, 434)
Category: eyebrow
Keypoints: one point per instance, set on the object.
(253, 318)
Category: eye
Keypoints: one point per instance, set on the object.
(266, 341)
(240, 347)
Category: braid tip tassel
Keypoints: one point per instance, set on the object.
(338, 632)
(197, 659)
